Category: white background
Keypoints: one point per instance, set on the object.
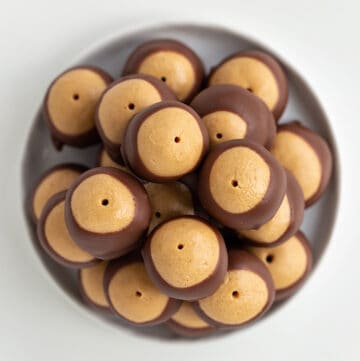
(40, 38)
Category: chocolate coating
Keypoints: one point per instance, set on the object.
(94, 295)
(127, 107)
(54, 201)
(270, 256)
(274, 67)
(117, 265)
(152, 47)
(264, 210)
(82, 139)
(201, 289)
(112, 244)
(77, 169)
(182, 329)
(260, 124)
(242, 260)
(319, 146)
(130, 146)
(296, 204)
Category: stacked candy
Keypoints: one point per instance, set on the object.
(192, 216)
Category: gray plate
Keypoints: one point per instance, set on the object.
(212, 44)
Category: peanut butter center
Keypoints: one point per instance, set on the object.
(185, 252)
(121, 102)
(287, 263)
(59, 239)
(72, 101)
(223, 125)
(172, 68)
(92, 282)
(134, 296)
(168, 200)
(187, 317)
(241, 297)
(275, 228)
(170, 142)
(296, 154)
(57, 181)
(239, 179)
(102, 204)
(251, 74)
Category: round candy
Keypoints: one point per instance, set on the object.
(91, 283)
(107, 212)
(307, 156)
(257, 72)
(168, 200)
(230, 112)
(246, 293)
(241, 184)
(133, 296)
(186, 257)
(164, 142)
(104, 160)
(70, 103)
(289, 264)
(121, 101)
(172, 62)
(55, 238)
(56, 179)
(286, 221)
(186, 322)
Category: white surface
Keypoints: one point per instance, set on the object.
(39, 38)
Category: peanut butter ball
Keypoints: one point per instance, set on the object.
(289, 264)
(286, 221)
(246, 293)
(70, 103)
(164, 142)
(91, 283)
(168, 200)
(231, 112)
(186, 322)
(120, 102)
(107, 212)
(133, 296)
(241, 184)
(55, 239)
(307, 156)
(54, 180)
(172, 62)
(186, 257)
(257, 72)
